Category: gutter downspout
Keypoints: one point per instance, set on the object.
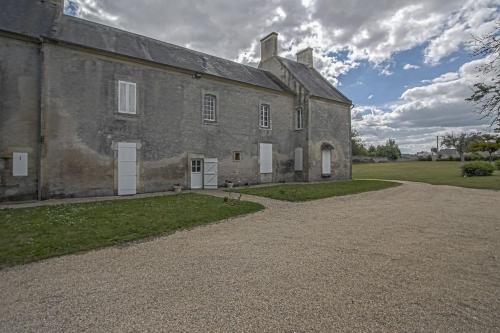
(350, 140)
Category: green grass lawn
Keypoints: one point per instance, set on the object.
(437, 173)
(306, 192)
(30, 234)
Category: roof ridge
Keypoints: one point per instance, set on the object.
(284, 61)
(159, 41)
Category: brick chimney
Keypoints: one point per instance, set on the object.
(306, 57)
(269, 47)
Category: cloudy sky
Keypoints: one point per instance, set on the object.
(406, 64)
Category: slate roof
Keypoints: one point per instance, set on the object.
(78, 31)
(313, 81)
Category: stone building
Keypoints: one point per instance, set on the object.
(90, 110)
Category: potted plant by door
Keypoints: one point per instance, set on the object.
(177, 188)
(229, 184)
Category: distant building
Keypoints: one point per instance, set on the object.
(448, 152)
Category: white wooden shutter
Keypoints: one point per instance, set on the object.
(266, 158)
(127, 168)
(132, 98)
(299, 159)
(326, 162)
(210, 173)
(19, 164)
(127, 97)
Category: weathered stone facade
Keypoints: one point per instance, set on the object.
(59, 104)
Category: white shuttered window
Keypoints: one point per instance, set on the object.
(127, 97)
(266, 158)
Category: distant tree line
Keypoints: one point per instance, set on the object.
(390, 149)
(471, 142)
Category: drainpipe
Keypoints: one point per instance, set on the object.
(350, 140)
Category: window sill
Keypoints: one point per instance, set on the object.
(265, 128)
(210, 123)
(127, 115)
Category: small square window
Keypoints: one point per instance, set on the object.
(236, 156)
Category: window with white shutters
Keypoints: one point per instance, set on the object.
(299, 156)
(127, 97)
(266, 158)
(265, 116)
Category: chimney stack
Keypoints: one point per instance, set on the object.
(306, 57)
(269, 47)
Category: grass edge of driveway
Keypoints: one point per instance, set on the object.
(38, 233)
(304, 192)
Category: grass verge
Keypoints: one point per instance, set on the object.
(30, 234)
(436, 173)
(307, 192)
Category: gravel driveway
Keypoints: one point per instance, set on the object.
(415, 258)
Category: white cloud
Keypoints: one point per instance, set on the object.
(475, 18)
(423, 112)
(410, 66)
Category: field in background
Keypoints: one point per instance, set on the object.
(437, 173)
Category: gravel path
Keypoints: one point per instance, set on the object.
(416, 258)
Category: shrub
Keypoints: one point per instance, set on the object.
(497, 164)
(477, 168)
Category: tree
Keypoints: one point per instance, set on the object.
(487, 143)
(389, 150)
(372, 150)
(486, 94)
(358, 148)
(460, 142)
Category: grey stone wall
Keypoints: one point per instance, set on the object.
(301, 100)
(330, 124)
(19, 104)
(82, 125)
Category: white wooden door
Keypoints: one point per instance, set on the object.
(127, 168)
(266, 158)
(326, 162)
(196, 174)
(210, 173)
